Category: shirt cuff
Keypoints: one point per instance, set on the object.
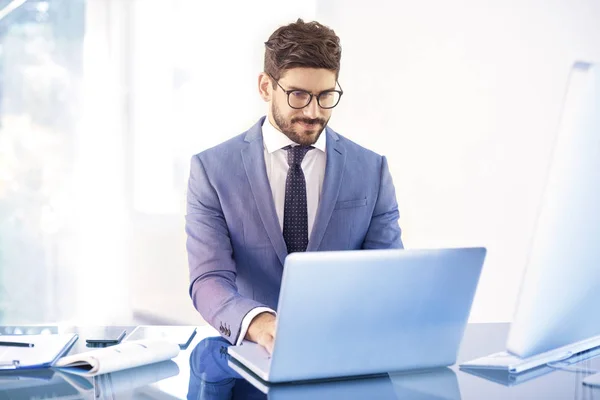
(248, 319)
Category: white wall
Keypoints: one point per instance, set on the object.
(99, 252)
(215, 50)
(464, 98)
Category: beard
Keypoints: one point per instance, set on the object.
(301, 135)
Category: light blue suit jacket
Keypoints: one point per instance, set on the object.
(235, 243)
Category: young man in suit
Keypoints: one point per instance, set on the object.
(289, 183)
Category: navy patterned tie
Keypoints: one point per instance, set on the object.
(295, 214)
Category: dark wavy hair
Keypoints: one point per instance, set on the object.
(302, 44)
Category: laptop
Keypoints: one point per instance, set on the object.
(560, 294)
(362, 312)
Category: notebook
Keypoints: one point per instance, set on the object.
(46, 350)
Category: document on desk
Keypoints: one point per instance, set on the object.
(33, 351)
(119, 357)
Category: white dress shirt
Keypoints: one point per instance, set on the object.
(313, 166)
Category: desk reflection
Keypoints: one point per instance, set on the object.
(35, 384)
(49, 383)
(214, 376)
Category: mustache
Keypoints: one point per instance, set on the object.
(310, 121)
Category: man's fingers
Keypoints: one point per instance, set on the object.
(262, 331)
(271, 327)
(266, 340)
(269, 344)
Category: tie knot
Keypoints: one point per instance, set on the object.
(296, 154)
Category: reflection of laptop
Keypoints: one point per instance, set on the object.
(432, 384)
(348, 313)
(505, 378)
(560, 293)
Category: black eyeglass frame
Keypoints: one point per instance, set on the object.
(288, 92)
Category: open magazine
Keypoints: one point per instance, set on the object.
(123, 381)
(119, 357)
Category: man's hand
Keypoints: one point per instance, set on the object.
(262, 330)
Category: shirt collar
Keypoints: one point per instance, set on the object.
(274, 140)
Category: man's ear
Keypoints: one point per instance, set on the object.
(265, 87)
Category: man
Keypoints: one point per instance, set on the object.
(289, 183)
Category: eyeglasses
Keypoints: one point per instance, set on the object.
(298, 98)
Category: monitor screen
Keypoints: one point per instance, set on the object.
(560, 294)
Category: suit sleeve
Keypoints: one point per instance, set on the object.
(384, 230)
(210, 255)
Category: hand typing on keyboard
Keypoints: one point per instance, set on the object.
(262, 330)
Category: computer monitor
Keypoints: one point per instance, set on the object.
(559, 301)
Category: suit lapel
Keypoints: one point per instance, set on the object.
(254, 164)
(334, 170)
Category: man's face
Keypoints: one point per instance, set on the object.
(303, 126)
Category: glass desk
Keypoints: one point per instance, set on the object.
(201, 372)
